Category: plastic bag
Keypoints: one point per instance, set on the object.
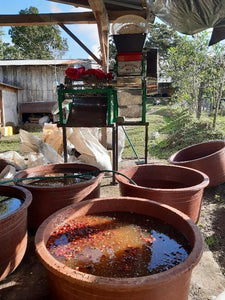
(52, 135)
(91, 150)
(36, 159)
(29, 141)
(50, 154)
(7, 173)
(15, 159)
(43, 120)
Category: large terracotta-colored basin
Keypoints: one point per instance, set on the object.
(66, 283)
(13, 231)
(179, 187)
(208, 157)
(48, 199)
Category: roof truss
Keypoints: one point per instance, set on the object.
(103, 12)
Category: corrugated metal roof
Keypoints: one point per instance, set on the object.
(38, 62)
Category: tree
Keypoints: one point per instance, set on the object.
(112, 54)
(162, 37)
(217, 76)
(36, 42)
(195, 70)
(1, 45)
(10, 52)
(187, 65)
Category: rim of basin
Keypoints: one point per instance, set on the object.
(202, 183)
(59, 168)
(49, 225)
(174, 158)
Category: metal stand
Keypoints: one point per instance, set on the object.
(81, 117)
(91, 119)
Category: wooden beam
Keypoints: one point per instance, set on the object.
(99, 10)
(103, 42)
(80, 43)
(65, 18)
(34, 107)
(47, 19)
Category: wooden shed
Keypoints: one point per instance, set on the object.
(30, 87)
(8, 104)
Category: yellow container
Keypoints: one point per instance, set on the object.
(7, 131)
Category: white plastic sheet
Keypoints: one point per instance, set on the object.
(91, 150)
(189, 17)
(14, 158)
(36, 159)
(7, 173)
(31, 143)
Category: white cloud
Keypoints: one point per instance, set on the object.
(95, 49)
(80, 9)
(54, 8)
(88, 34)
(89, 30)
(60, 8)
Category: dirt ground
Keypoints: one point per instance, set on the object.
(28, 281)
(212, 222)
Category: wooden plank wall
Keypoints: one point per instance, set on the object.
(38, 83)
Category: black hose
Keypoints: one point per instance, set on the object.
(81, 175)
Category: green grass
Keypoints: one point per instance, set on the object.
(175, 129)
(170, 129)
(12, 143)
(137, 135)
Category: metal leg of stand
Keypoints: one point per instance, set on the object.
(116, 145)
(114, 151)
(64, 144)
(146, 143)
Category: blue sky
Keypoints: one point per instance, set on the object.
(86, 33)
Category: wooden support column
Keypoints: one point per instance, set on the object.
(101, 16)
(102, 21)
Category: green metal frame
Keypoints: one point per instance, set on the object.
(112, 105)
